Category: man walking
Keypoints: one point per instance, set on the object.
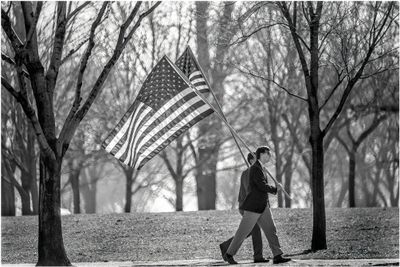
(257, 211)
(256, 232)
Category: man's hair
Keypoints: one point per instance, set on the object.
(261, 150)
(250, 157)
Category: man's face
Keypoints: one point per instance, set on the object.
(252, 161)
(264, 157)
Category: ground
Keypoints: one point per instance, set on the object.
(369, 233)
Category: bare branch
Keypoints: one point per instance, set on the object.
(31, 114)
(79, 8)
(243, 38)
(286, 14)
(73, 51)
(354, 80)
(137, 24)
(168, 164)
(32, 24)
(340, 80)
(67, 132)
(343, 143)
(55, 61)
(12, 62)
(8, 29)
(273, 81)
(370, 129)
(83, 65)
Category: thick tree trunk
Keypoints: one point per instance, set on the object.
(7, 198)
(51, 245)
(206, 178)
(210, 129)
(352, 178)
(88, 190)
(179, 194)
(91, 200)
(25, 198)
(317, 180)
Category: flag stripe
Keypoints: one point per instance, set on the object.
(197, 81)
(197, 77)
(109, 144)
(195, 73)
(167, 123)
(201, 87)
(204, 90)
(140, 112)
(117, 128)
(201, 112)
(148, 112)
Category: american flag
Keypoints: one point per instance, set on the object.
(165, 107)
(188, 64)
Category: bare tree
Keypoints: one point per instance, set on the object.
(310, 55)
(43, 84)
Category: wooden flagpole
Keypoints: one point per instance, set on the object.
(219, 106)
(226, 123)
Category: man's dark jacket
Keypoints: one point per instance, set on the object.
(257, 199)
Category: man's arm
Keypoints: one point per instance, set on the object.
(257, 177)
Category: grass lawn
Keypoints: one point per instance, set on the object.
(351, 233)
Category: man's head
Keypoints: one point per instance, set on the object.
(250, 158)
(263, 154)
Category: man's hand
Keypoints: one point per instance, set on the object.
(279, 185)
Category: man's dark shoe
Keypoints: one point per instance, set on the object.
(230, 259)
(223, 251)
(279, 259)
(260, 260)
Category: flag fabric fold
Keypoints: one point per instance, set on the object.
(165, 107)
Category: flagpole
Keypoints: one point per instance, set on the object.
(233, 131)
(219, 107)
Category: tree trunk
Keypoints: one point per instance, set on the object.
(88, 190)
(34, 194)
(342, 194)
(179, 194)
(210, 129)
(25, 198)
(89, 196)
(317, 180)
(32, 163)
(352, 174)
(128, 193)
(288, 181)
(206, 178)
(51, 245)
(74, 178)
(7, 197)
